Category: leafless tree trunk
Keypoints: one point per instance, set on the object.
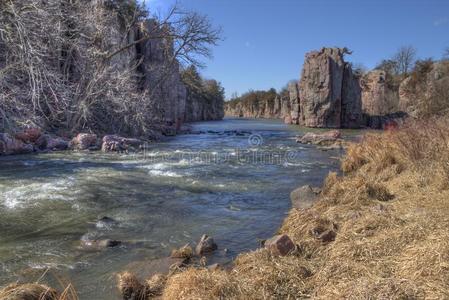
(405, 58)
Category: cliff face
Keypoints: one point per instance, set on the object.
(329, 91)
(207, 105)
(379, 98)
(205, 98)
(321, 88)
(99, 77)
(330, 95)
(263, 104)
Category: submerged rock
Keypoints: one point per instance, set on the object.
(280, 245)
(304, 197)
(97, 245)
(205, 245)
(83, 141)
(106, 223)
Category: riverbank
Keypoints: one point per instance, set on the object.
(389, 215)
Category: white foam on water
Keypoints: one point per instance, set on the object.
(29, 163)
(157, 166)
(164, 173)
(23, 194)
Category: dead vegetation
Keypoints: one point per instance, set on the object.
(71, 65)
(390, 213)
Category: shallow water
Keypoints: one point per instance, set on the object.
(234, 188)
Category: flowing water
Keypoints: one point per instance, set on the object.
(233, 187)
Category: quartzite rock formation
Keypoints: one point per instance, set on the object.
(330, 94)
(321, 87)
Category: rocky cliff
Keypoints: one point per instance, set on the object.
(264, 104)
(108, 69)
(330, 94)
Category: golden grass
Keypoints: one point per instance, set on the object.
(38, 291)
(185, 252)
(390, 212)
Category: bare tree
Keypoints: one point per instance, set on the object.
(191, 36)
(405, 58)
(359, 69)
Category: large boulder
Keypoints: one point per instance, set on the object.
(115, 143)
(280, 245)
(83, 141)
(49, 143)
(11, 145)
(321, 88)
(29, 135)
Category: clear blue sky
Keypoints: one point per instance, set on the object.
(265, 40)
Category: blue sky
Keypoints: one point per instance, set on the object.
(266, 40)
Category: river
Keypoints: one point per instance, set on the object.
(231, 186)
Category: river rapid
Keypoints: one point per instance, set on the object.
(234, 187)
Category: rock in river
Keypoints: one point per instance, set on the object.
(205, 245)
(83, 141)
(322, 139)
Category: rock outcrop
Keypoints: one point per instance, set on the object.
(321, 87)
(379, 98)
(426, 91)
(264, 104)
(331, 95)
(294, 102)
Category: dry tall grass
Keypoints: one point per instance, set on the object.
(390, 212)
(39, 291)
